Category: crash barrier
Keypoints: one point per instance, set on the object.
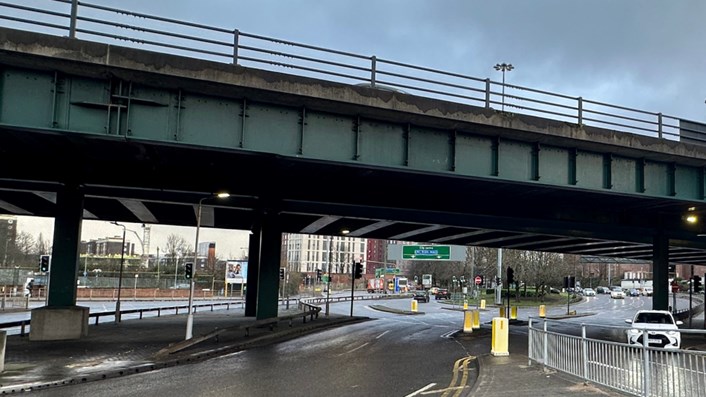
(24, 324)
(230, 45)
(635, 370)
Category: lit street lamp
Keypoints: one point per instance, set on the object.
(190, 316)
(504, 67)
(120, 276)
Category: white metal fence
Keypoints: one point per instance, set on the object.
(637, 370)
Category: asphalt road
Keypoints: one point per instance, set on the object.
(389, 355)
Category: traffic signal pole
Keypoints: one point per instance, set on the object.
(352, 286)
(691, 290)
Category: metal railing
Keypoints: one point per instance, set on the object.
(110, 25)
(25, 324)
(636, 370)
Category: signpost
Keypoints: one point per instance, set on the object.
(478, 280)
(426, 252)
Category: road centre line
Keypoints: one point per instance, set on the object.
(380, 336)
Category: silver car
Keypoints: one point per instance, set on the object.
(617, 293)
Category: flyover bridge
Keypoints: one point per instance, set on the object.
(92, 130)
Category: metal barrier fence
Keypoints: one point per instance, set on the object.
(636, 370)
(110, 25)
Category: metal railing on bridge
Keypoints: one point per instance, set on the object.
(636, 370)
(110, 25)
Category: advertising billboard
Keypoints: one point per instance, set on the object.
(236, 272)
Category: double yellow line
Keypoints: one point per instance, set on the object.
(457, 383)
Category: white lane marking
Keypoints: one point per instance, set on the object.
(380, 336)
(351, 351)
(449, 334)
(429, 386)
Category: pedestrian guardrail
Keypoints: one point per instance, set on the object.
(636, 370)
(110, 25)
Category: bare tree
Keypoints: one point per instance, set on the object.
(176, 247)
(24, 250)
(43, 246)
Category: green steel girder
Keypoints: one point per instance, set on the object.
(71, 104)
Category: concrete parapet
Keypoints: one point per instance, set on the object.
(59, 323)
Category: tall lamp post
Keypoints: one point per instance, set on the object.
(120, 276)
(190, 315)
(503, 67)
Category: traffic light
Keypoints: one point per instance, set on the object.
(188, 270)
(358, 273)
(44, 261)
(510, 276)
(318, 274)
(697, 283)
(281, 273)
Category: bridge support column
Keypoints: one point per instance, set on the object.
(61, 319)
(268, 267)
(660, 272)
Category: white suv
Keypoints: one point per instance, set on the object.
(662, 330)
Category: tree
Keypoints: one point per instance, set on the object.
(43, 246)
(24, 250)
(176, 247)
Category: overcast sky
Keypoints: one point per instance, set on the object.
(644, 54)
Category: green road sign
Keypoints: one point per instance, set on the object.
(426, 252)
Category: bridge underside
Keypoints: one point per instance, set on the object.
(135, 181)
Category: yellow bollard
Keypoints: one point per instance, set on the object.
(465, 305)
(414, 305)
(467, 323)
(482, 303)
(513, 313)
(499, 340)
(502, 311)
(542, 311)
(476, 319)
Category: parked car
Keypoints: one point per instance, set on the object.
(617, 293)
(554, 291)
(662, 330)
(442, 293)
(420, 296)
(589, 292)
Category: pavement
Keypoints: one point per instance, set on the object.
(134, 346)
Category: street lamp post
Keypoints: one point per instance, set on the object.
(134, 295)
(503, 67)
(190, 315)
(120, 276)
